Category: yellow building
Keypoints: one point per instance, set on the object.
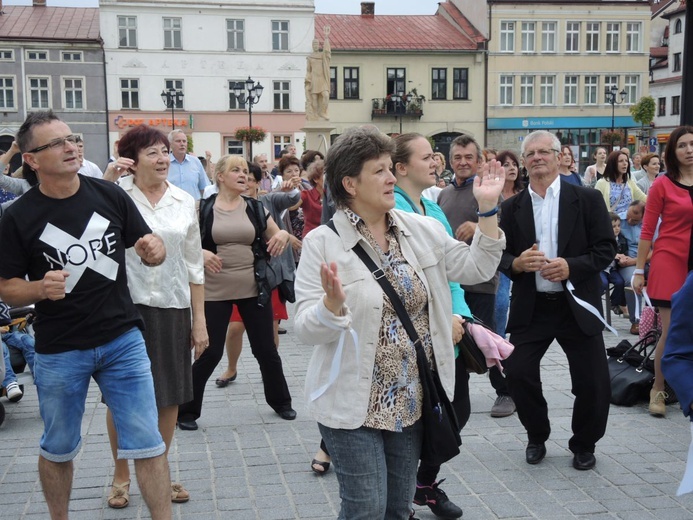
(403, 74)
(553, 65)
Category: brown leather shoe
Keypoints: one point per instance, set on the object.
(635, 328)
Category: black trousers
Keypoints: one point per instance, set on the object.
(258, 325)
(589, 374)
(483, 306)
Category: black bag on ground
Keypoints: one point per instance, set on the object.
(631, 370)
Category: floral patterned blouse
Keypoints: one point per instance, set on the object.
(396, 393)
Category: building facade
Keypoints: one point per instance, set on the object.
(551, 64)
(201, 49)
(406, 73)
(51, 58)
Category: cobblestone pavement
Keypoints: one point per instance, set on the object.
(246, 463)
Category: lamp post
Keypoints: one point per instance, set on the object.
(611, 95)
(251, 96)
(401, 101)
(171, 97)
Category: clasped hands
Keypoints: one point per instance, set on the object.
(532, 260)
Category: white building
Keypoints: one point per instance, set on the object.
(202, 48)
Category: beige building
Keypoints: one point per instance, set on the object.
(406, 73)
(553, 63)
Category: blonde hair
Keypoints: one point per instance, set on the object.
(226, 162)
(442, 158)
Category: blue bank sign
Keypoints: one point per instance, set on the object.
(547, 123)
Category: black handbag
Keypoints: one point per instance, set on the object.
(631, 371)
(472, 356)
(441, 430)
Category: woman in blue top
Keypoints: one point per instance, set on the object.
(413, 163)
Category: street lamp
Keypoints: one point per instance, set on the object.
(171, 98)
(400, 100)
(251, 96)
(611, 95)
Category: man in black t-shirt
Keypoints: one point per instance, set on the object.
(63, 248)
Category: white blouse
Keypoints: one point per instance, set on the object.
(174, 219)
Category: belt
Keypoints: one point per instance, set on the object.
(551, 296)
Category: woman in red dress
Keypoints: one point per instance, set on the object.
(670, 199)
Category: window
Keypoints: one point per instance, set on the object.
(528, 36)
(6, 55)
(280, 35)
(507, 37)
(592, 37)
(460, 83)
(74, 93)
(172, 33)
(39, 93)
(280, 142)
(333, 82)
(547, 90)
(591, 87)
(675, 105)
(176, 84)
(677, 62)
(662, 106)
(677, 27)
(234, 102)
(506, 90)
(548, 37)
(37, 55)
(281, 95)
(570, 90)
(235, 39)
(234, 147)
(6, 92)
(609, 82)
(130, 93)
(396, 81)
(351, 83)
(633, 30)
(613, 35)
(631, 84)
(527, 90)
(439, 83)
(572, 37)
(127, 32)
(72, 56)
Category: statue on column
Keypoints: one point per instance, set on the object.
(317, 80)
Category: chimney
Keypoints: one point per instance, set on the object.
(368, 9)
(39, 3)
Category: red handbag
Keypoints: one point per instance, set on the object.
(650, 320)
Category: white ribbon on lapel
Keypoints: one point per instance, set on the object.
(589, 307)
(337, 359)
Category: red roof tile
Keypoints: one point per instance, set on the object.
(49, 23)
(387, 33)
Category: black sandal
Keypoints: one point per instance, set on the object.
(324, 465)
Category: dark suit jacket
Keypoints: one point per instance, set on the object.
(585, 240)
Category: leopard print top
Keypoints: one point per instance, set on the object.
(396, 393)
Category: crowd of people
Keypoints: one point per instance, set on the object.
(181, 256)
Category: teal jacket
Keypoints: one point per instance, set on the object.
(403, 202)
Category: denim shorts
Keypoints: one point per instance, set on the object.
(122, 370)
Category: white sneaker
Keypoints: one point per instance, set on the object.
(14, 393)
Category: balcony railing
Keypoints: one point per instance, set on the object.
(396, 106)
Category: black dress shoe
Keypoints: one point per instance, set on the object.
(187, 425)
(288, 414)
(584, 460)
(535, 453)
(222, 382)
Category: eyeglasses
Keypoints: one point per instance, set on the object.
(57, 143)
(543, 153)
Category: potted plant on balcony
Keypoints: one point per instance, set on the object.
(612, 137)
(250, 134)
(377, 107)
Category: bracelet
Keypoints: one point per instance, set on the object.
(489, 213)
(639, 271)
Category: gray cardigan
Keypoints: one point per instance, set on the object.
(276, 203)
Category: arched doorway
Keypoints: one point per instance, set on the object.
(442, 143)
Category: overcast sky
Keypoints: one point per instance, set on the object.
(321, 6)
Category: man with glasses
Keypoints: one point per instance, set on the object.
(63, 248)
(559, 238)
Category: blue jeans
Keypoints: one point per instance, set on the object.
(502, 304)
(122, 370)
(376, 470)
(22, 342)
